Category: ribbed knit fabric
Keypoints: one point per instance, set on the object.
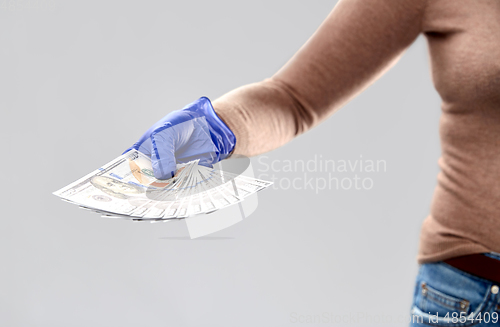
(355, 45)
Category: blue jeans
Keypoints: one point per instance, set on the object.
(447, 296)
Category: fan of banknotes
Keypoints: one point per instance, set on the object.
(126, 188)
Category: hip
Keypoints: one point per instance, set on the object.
(447, 296)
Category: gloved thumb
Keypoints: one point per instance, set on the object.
(163, 154)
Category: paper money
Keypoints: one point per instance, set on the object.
(126, 188)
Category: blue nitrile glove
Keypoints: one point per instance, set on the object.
(195, 132)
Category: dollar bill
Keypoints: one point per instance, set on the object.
(126, 188)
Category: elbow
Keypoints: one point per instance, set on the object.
(304, 115)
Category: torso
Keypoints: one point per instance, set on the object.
(464, 44)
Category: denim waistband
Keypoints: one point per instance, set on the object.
(493, 255)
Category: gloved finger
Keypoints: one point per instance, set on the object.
(128, 150)
(206, 163)
(205, 158)
(143, 146)
(199, 145)
(163, 145)
(197, 148)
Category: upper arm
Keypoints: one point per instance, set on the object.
(356, 44)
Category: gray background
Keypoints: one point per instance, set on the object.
(79, 83)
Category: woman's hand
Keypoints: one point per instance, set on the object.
(195, 132)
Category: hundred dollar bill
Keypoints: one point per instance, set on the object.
(122, 186)
(126, 188)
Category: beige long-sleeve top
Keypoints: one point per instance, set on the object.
(355, 45)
